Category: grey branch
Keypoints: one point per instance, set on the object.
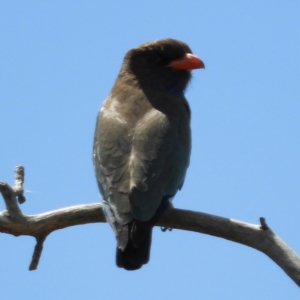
(259, 237)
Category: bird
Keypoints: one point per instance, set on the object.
(142, 143)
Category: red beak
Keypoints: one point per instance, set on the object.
(188, 62)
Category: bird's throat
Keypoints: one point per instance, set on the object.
(177, 91)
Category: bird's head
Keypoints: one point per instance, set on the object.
(160, 65)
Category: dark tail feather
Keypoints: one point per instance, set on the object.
(134, 242)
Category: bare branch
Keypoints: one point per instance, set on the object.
(37, 253)
(11, 194)
(19, 180)
(259, 237)
(255, 236)
(263, 223)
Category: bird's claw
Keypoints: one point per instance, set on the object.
(164, 229)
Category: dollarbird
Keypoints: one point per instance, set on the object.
(142, 143)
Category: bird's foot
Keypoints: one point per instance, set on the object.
(164, 229)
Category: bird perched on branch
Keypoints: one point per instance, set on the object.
(142, 143)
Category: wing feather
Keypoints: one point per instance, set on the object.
(138, 164)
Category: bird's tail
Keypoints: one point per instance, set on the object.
(134, 240)
(134, 243)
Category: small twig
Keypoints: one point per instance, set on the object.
(37, 252)
(263, 224)
(19, 180)
(13, 212)
(10, 195)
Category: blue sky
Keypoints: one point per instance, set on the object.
(58, 61)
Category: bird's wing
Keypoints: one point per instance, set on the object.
(138, 165)
(111, 151)
(160, 158)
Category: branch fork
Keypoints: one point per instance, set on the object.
(13, 195)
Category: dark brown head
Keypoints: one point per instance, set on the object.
(161, 65)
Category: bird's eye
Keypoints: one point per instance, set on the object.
(152, 59)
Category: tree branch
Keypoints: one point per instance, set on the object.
(259, 237)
